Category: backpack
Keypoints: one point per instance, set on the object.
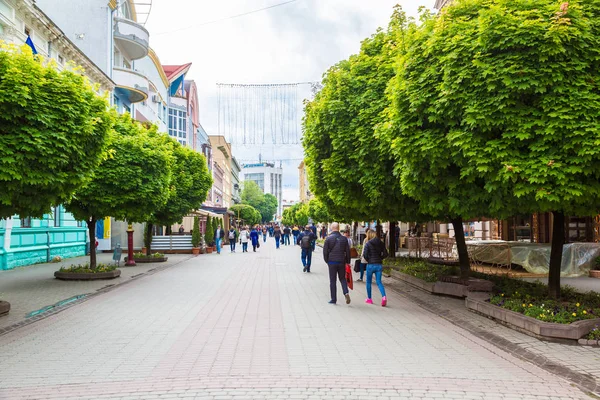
(232, 235)
(305, 243)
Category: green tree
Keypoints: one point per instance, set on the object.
(508, 89)
(130, 183)
(351, 168)
(54, 132)
(268, 207)
(318, 211)
(190, 182)
(252, 194)
(250, 215)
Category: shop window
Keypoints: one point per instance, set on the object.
(579, 229)
(519, 229)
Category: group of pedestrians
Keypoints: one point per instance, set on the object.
(337, 254)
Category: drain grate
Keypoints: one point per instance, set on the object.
(53, 306)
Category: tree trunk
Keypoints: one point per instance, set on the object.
(169, 231)
(378, 229)
(392, 238)
(91, 224)
(148, 239)
(355, 231)
(558, 240)
(461, 246)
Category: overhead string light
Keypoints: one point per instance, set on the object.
(252, 115)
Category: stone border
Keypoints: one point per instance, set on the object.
(595, 273)
(82, 276)
(4, 307)
(149, 260)
(585, 382)
(529, 325)
(587, 342)
(450, 288)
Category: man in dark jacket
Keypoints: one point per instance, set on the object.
(286, 235)
(336, 253)
(305, 240)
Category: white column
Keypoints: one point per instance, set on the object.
(444, 228)
(8, 233)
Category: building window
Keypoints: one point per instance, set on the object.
(61, 60)
(26, 222)
(258, 178)
(127, 108)
(79, 224)
(177, 125)
(27, 31)
(57, 216)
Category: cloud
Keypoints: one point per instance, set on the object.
(293, 43)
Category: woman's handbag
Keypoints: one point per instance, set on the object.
(356, 265)
(353, 253)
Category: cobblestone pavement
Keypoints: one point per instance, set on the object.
(34, 287)
(242, 326)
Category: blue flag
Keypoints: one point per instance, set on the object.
(29, 43)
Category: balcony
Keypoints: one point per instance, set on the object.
(133, 84)
(132, 38)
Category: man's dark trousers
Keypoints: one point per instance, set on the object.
(337, 270)
(306, 258)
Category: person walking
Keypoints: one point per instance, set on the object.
(264, 233)
(244, 237)
(254, 237)
(219, 235)
(305, 240)
(375, 252)
(336, 253)
(286, 235)
(181, 230)
(363, 261)
(295, 233)
(232, 236)
(313, 228)
(277, 235)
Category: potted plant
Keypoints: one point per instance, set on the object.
(196, 237)
(595, 271)
(208, 235)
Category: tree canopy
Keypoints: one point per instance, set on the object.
(350, 167)
(266, 204)
(318, 212)
(54, 131)
(250, 215)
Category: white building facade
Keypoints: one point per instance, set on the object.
(268, 177)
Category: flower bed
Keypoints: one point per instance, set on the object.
(83, 272)
(531, 299)
(153, 258)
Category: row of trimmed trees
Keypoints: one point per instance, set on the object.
(299, 214)
(489, 109)
(62, 144)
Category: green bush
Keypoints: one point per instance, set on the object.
(196, 232)
(594, 334)
(85, 268)
(142, 255)
(420, 268)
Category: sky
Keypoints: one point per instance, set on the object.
(293, 42)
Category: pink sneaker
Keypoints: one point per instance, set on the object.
(383, 301)
(369, 301)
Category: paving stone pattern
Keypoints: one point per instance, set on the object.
(244, 326)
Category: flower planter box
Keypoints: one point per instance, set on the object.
(209, 250)
(82, 276)
(532, 326)
(595, 273)
(4, 308)
(195, 250)
(450, 286)
(147, 260)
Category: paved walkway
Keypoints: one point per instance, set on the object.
(254, 326)
(33, 288)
